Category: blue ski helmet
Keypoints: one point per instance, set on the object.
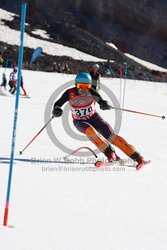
(83, 77)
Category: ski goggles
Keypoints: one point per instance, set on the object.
(83, 86)
(95, 70)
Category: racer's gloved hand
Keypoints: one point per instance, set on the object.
(57, 111)
(104, 105)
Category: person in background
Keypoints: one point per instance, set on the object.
(21, 85)
(1, 60)
(82, 98)
(4, 81)
(54, 67)
(13, 81)
(95, 75)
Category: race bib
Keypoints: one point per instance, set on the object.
(83, 112)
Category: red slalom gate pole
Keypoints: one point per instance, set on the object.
(141, 113)
(20, 152)
(78, 149)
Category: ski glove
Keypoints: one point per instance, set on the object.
(57, 111)
(104, 105)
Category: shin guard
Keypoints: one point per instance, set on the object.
(98, 140)
(122, 145)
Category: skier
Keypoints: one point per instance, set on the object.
(21, 85)
(95, 76)
(4, 81)
(13, 81)
(82, 100)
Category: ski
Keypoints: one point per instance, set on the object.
(21, 95)
(99, 164)
(139, 166)
(25, 96)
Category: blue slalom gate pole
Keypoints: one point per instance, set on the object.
(20, 60)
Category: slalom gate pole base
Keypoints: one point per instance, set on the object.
(5, 221)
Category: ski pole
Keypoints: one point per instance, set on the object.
(20, 152)
(141, 113)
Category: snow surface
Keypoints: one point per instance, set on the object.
(146, 64)
(112, 45)
(41, 33)
(142, 62)
(6, 15)
(56, 206)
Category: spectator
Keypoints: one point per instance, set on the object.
(4, 81)
(1, 60)
(21, 85)
(13, 80)
(54, 67)
(107, 73)
(95, 75)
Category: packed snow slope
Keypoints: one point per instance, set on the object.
(74, 206)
